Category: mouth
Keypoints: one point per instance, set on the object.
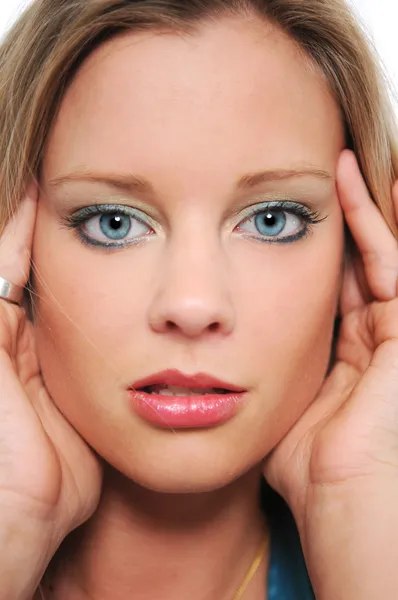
(178, 391)
(173, 400)
(175, 383)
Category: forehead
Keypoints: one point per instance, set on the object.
(235, 92)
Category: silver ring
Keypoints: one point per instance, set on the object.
(11, 292)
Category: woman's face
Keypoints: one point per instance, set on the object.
(220, 148)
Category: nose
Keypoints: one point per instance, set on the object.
(192, 297)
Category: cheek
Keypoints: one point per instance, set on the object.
(289, 324)
(86, 314)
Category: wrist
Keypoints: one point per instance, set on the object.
(351, 539)
(26, 548)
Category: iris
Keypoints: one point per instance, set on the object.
(270, 222)
(115, 226)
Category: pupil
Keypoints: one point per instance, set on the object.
(270, 220)
(116, 222)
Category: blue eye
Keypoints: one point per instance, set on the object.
(115, 227)
(281, 222)
(270, 222)
(109, 226)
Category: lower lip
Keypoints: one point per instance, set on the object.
(186, 412)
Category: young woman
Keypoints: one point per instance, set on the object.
(200, 195)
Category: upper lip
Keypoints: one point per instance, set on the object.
(175, 378)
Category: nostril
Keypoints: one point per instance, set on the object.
(172, 325)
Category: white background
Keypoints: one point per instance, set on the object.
(380, 18)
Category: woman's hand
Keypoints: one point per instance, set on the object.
(338, 467)
(49, 479)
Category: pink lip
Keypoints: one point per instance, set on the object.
(185, 412)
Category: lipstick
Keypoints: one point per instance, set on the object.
(171, 399)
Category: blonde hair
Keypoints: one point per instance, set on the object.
(46, 46)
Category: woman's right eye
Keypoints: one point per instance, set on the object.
(109, 226)
(114, 228)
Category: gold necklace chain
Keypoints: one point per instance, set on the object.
(258, 559)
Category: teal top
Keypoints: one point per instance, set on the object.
(287, 577)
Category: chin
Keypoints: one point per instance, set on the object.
(178, 486)
(186, 485)
(197, 473)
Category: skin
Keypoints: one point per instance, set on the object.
(197, 271)
(198, 295)
(209, 318)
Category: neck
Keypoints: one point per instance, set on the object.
(167, 546)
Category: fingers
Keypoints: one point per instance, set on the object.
(16, 241)
(370, 231)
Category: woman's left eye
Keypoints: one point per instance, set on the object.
(279, 222)
(109, 226)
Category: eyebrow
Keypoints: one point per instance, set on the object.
(133, 183)
(253, 179)
(126, 183)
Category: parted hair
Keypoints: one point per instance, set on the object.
(45, 47)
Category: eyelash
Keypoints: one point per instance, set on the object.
(86, 213)
(309, 216)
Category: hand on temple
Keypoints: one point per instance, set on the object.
(338, 466)
(49, 479)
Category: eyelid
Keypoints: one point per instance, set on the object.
(308, 216)
(279, 203)
(86, 212)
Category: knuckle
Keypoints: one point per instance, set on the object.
(385, 260)
(385, 319)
